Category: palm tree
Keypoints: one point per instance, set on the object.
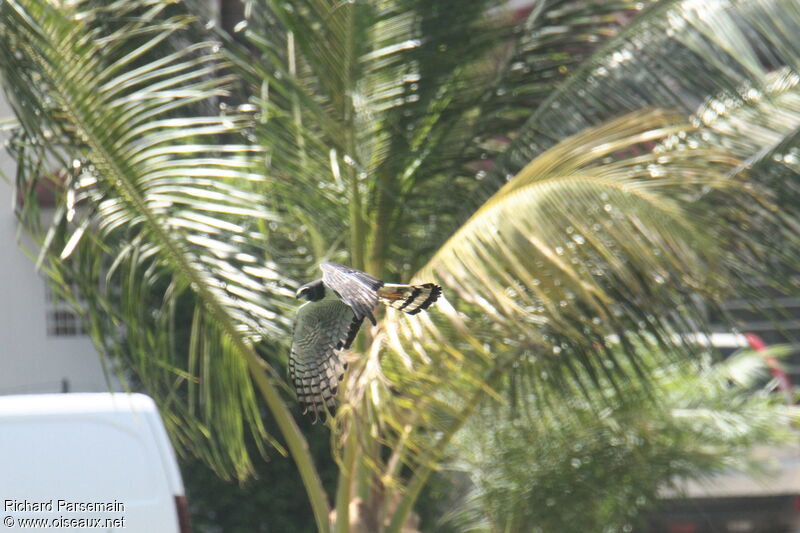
(582, 183)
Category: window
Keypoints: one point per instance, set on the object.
(62, 320)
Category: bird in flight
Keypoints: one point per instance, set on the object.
(327, 324)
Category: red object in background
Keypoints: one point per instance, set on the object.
(784, 384)
(183, 514)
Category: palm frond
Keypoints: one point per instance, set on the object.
(159, 207)
(675, 55)
(563, 279)
(761, 127)
(554, 41)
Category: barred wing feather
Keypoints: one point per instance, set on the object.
(410, 299)
(323, 331)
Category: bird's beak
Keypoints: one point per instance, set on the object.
(298, 293)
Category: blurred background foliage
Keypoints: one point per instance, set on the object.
(588, 180)
(604, 468)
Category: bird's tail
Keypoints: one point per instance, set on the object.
(409, 298)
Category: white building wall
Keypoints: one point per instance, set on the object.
(31, 361)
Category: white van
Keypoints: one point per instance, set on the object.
(94, 461)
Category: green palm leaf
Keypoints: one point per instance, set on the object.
(554, 41)
(162, 212)
(675, 55)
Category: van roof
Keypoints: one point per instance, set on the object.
(79, 402)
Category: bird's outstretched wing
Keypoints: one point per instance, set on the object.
(322, 331)
(357, 289)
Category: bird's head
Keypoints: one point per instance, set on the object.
(312, 291)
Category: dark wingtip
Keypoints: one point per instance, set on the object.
(436, 291)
